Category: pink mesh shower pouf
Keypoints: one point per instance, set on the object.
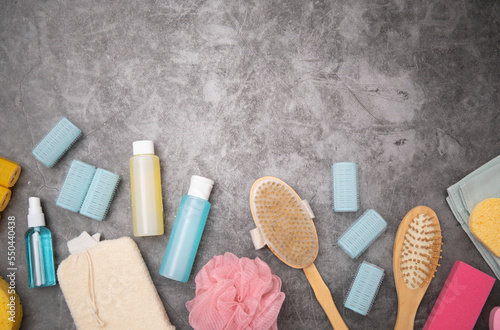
(234, 293)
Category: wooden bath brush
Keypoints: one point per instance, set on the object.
(417, 250)
(284, 223)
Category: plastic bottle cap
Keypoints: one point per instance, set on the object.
(200, 187)
(144, 147)
(36, 218)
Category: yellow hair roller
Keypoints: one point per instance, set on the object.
(5, 194)
(9, 172)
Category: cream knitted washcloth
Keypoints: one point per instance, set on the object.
(108, 286)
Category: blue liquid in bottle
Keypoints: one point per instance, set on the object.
(187, 231)
(39, 255)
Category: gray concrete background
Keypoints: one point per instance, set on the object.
(235, 90)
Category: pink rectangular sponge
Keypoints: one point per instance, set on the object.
(461, 299)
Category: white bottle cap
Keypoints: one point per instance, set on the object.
(36, 218)
(144, 147)
(200, 187)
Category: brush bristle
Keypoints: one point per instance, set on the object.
(285, 224)
(421, 251)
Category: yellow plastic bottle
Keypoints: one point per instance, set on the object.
(145, 188)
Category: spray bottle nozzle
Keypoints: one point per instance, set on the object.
(35, 214)
(34, 205)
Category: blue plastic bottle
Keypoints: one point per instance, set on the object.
(38, 240)
(188, 228)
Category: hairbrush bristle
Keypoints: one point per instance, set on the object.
(285, 223)
(421, 251)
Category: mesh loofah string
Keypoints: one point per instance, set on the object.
(100, 323)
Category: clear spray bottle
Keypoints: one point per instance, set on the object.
(38, 240)
(187, 230)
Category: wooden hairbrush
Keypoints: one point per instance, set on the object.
(284, 223)
(417, 250)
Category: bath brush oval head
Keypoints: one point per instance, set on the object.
(284, 223)
(417, 250)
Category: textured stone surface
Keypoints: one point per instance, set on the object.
(234, 90)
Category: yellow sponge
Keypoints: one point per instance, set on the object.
(11, 311)
(484, 223)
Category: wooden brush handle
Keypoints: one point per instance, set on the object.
(406, 317)
(324, 297)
